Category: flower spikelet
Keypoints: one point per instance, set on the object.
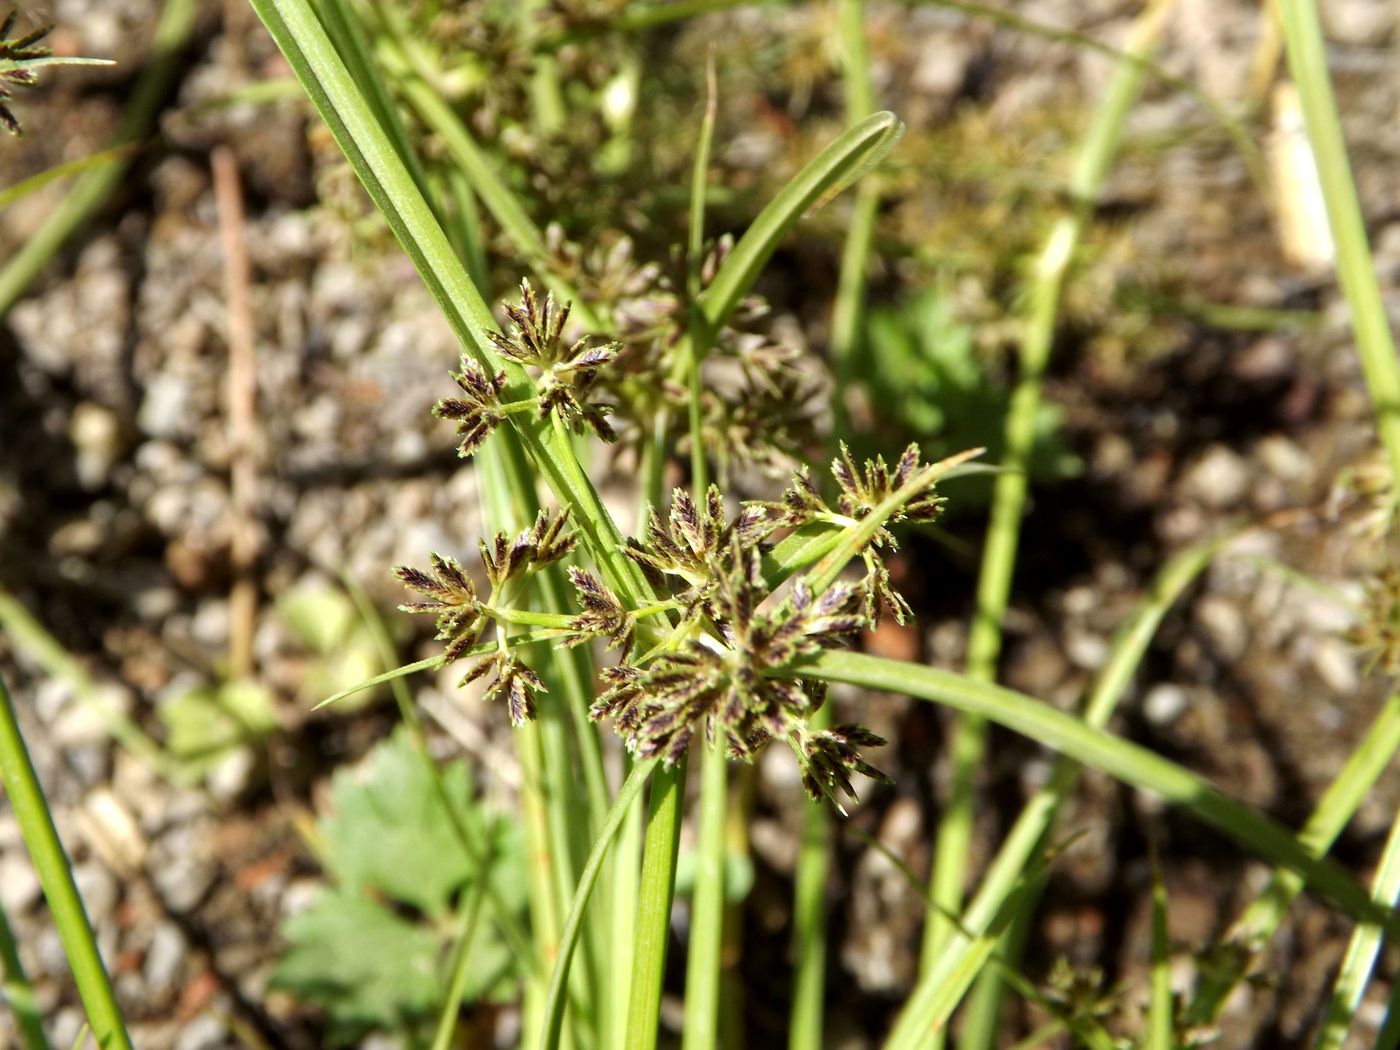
(512, 680)
(863, 491)
(568, 372)
(829, 756)
(542, 544)
(450, 594)
(736, 686)
(603, 614)
(477, 411)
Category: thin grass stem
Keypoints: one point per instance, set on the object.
(1258, 923)
(954, 837)
(1362, 950)
(16, 990)
(703, 956)
(573, 924)
(36, 825)
(1307, 60)
(658, 884)
(91, 188)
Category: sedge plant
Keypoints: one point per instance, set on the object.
(724, 618)
(722, 634)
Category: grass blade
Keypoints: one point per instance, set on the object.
(16, 990)
(654, 907)
(1339, 802)
(1307, 60)
(1121, 759)
(941, 984)
(1159, 1008)
(953, 841)
(827, 174)
(1360, 958)
(36, 825)
(573, 923)
(703, 957)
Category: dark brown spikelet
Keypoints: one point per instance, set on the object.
(543, 543)
(477, 411)
(830, 756)
(568, 374)
(603, 615)
(451, 596)
(863, 491)
(14, 54)
(510, 679)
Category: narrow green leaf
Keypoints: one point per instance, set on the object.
(573, 923)
(827, 174)
(1362, 950)
(1159, 1008)
(1121, 759)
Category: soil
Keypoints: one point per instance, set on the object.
(118, 523)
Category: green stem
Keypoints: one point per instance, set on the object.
(56, 878)
(941, 987)
(461, 962)
(1256, 926)
(806, 1020)
(17, 991)
(617, 815)
(703, 959)
(92, 188)
(805, 1023)
(1365, 945)
(1159, 1010)
(953, 842)
(1307, 59)
(703, 962)
(30, 636)
(1121, 759)
(654, 907)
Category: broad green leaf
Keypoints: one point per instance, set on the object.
(365, 966)
(390, 829)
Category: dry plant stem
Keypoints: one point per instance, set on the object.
(241, 393)
(92, 187)
(954, 837)
(56, 877)
(1307, 60)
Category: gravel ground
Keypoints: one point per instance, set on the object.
(117, 524)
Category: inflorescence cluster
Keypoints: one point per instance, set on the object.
(719, 653)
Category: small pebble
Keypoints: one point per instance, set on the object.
(1218, 479)
(164, 958)
(19, 884)
(1164, 704)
